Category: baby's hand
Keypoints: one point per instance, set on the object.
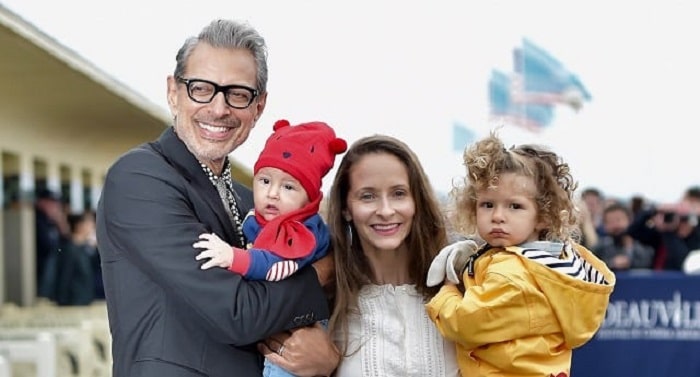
(220, 253)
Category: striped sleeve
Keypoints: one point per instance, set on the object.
(568, 262)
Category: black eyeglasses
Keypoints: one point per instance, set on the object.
(203, 91)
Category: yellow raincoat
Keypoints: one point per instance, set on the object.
(519, 317)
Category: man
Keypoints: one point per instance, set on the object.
(671, 229)
(167, 317)
(618, 249)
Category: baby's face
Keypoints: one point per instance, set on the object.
(276, 193)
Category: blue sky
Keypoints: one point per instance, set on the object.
(411, 69)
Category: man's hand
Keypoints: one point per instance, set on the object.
(325, 269)
(220, 253)
(305, 351)
(450, 262)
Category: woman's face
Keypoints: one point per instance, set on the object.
(380, 203)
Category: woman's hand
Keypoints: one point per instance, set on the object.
(305, 351)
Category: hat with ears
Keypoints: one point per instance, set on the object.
(306, 152)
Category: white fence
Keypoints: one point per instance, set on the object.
(51, 341)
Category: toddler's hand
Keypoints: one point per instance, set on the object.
(220, 253)
(450, 262)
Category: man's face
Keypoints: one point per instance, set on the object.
(616, 222)
(213, 130)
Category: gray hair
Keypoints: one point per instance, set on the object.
(228, 34)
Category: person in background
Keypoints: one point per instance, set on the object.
(589, 236)
(52, 233)
(386, 226)
(166, 316)
(76, 283)
(287, 194)
(692, 197)
(531, 294)
(617, 248)
(595, 203)
(637, 204)
(671, 229)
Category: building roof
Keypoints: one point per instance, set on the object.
(48, 85)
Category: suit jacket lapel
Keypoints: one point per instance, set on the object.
(177, 154)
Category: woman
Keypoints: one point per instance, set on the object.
(386, 227)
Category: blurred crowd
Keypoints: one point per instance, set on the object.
(626, 234)
(639, 234)
(67, 262)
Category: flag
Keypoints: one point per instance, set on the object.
(545, 79)
(499, 93)
(527, 96)
(503, 107)
(461, 136)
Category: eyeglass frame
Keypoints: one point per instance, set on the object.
(218, 88)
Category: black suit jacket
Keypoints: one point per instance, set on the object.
(168, 317)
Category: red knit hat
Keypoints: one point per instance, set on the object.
(306, 152)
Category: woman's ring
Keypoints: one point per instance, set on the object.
(280, 350)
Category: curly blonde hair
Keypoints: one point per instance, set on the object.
(488, 158)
